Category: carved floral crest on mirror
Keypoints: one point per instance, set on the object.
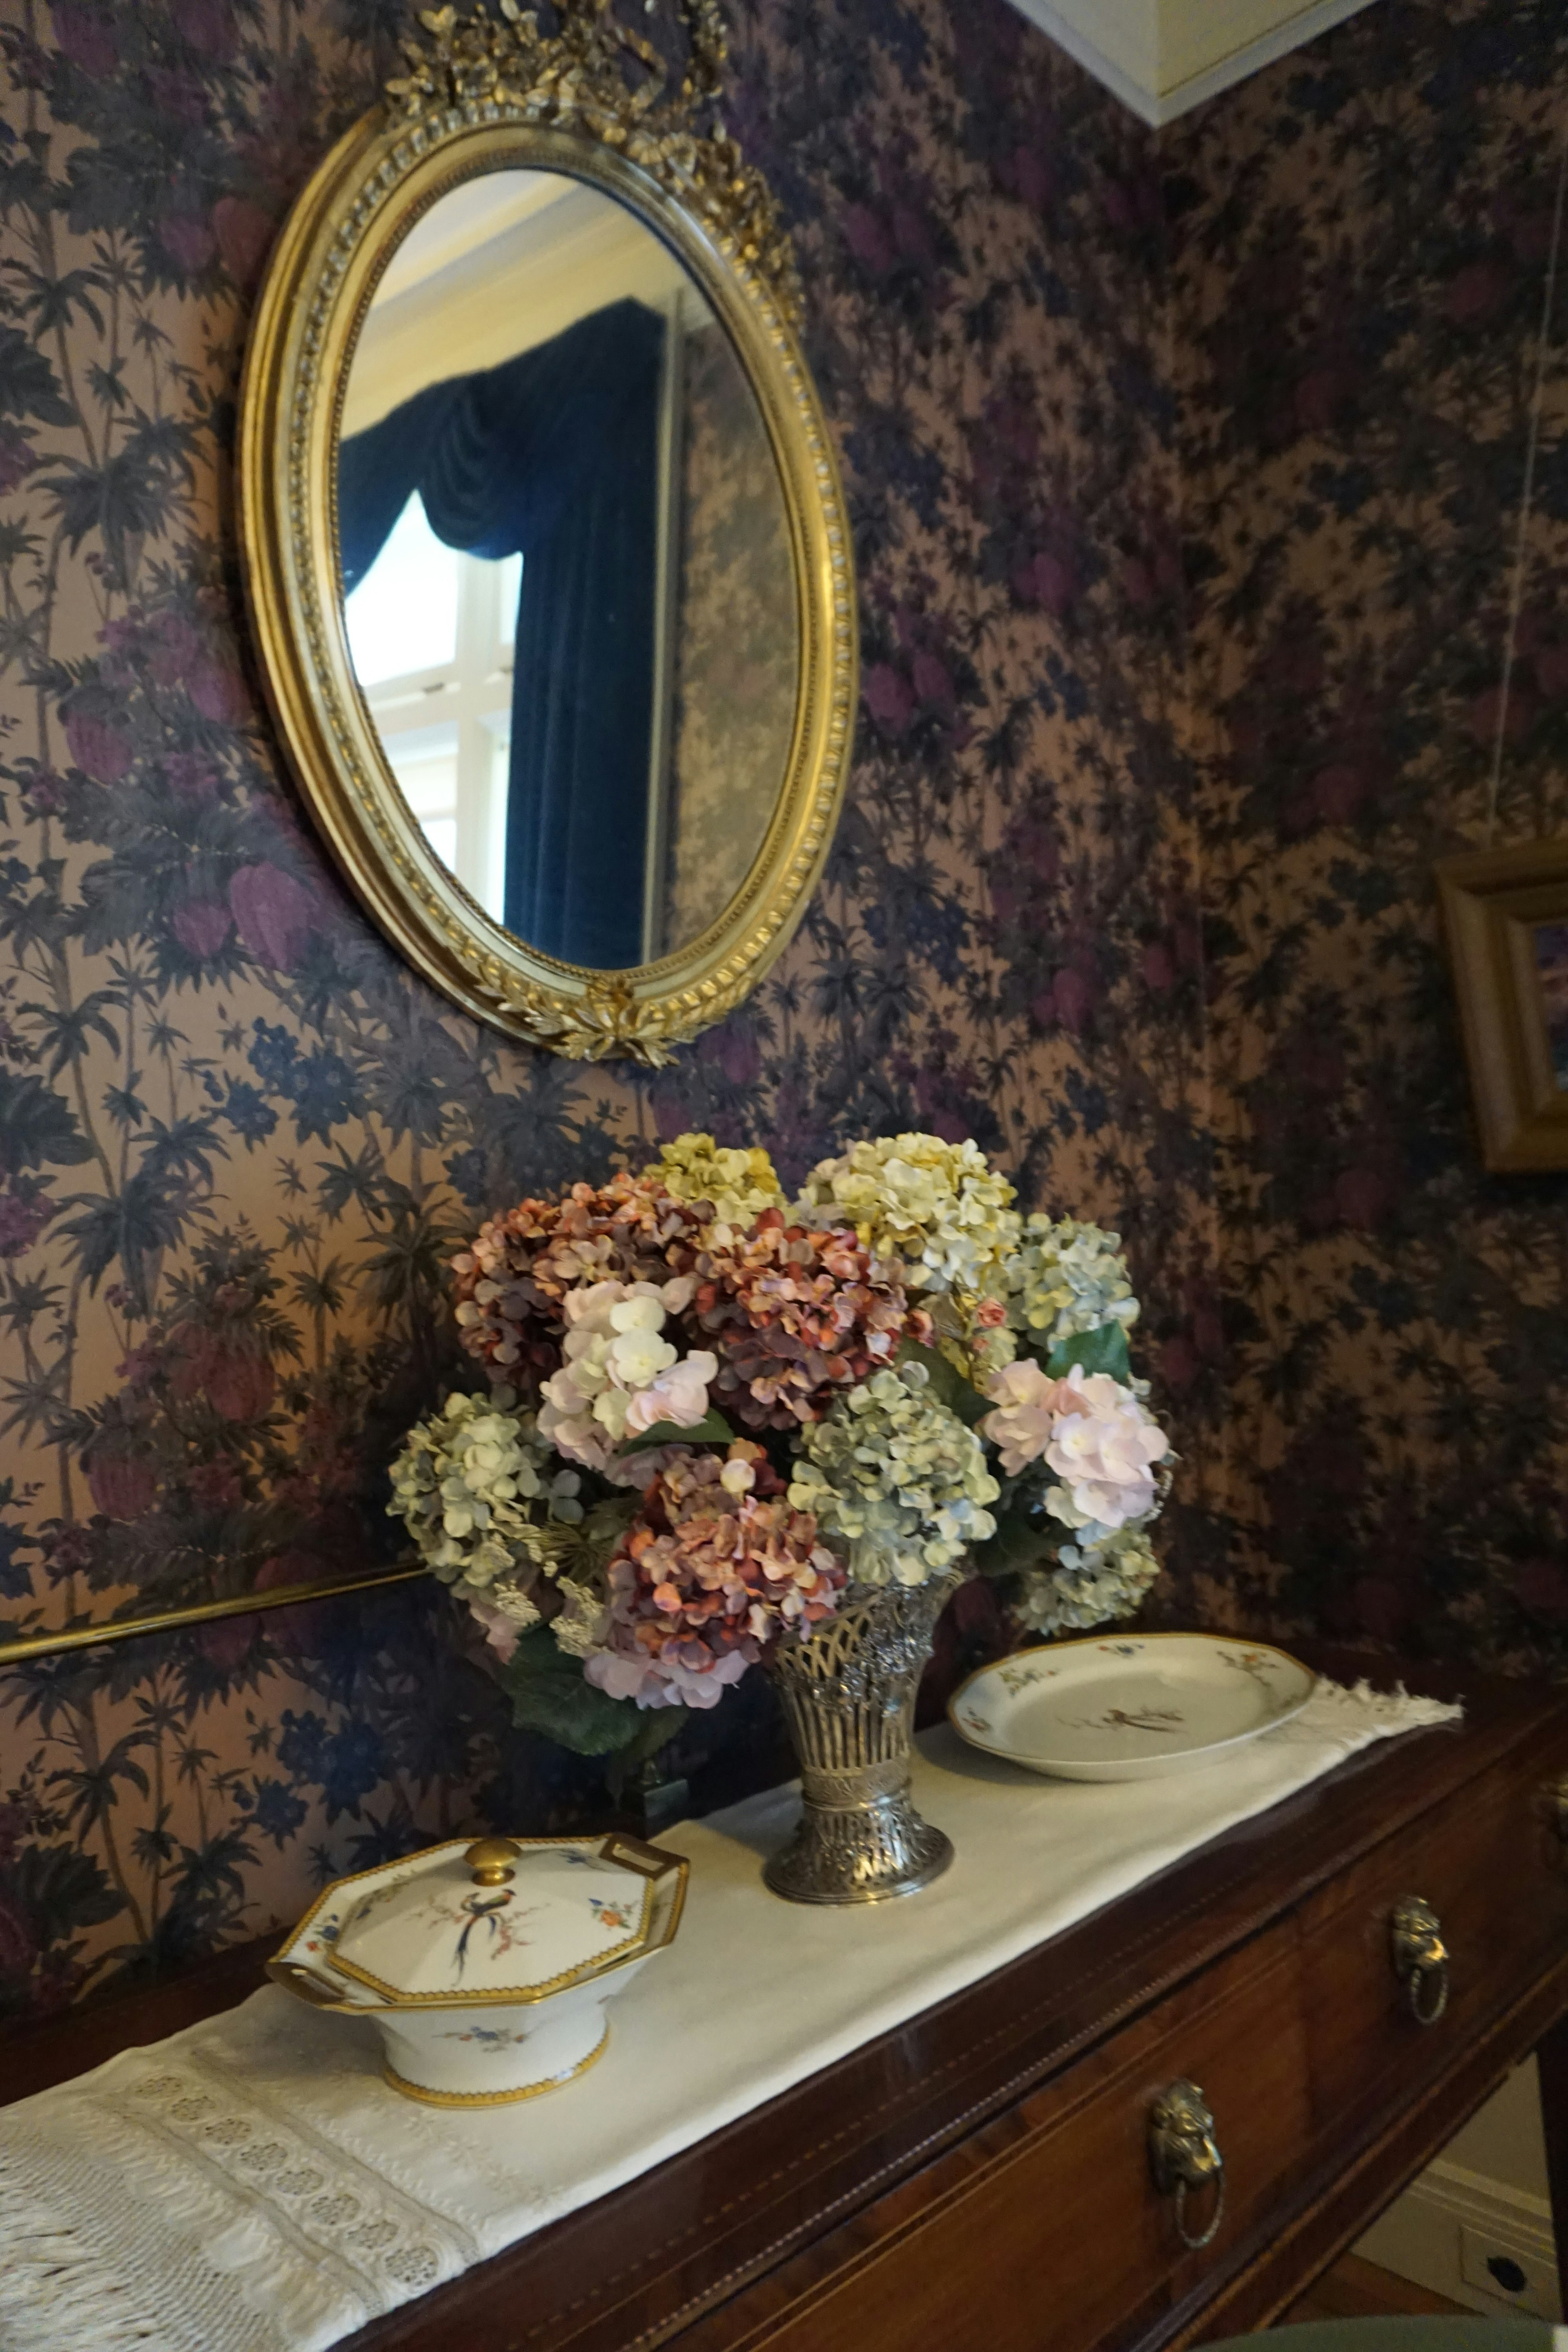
(544, 532)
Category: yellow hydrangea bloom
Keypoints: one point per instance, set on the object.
(739, 1183)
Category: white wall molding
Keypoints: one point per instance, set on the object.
(1162, 57)
(1450, 2213)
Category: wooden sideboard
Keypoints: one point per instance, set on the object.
(980, 2179)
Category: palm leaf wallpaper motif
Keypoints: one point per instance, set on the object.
(238, 1139)
(1169, 526)
(1368, 239)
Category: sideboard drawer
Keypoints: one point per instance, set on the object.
(1058, 2237)
(1496, 1877)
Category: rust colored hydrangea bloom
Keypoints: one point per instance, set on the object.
(795, 1315)
(715, 1569)
(513, 1278)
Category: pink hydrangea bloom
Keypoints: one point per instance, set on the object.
(678, 1394)
(1088, 1428)
(1020, 1428)
(1103, 1446)
(503, 1633)
(620, 1373)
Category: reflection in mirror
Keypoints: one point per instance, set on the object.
(569, 592)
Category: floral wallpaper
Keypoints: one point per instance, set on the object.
(237, 1139)
(1371, 289)
(1210, 495)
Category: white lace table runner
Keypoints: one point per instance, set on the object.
(251, 2184)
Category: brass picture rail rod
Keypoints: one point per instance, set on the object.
(200, 1613)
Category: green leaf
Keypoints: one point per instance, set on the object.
(60, 1889)
(1104, 1349)
(947, 1382)
(38, 1128)
(711, 1430)
(549, 1694)
(1023, 1540)
(656, 1729)
(29, 384)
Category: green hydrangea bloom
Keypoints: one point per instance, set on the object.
(895, 1480)
(1066, 1279)
(476, 1489)
(1089, 1584)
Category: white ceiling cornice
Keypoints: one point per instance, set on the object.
(1161, 56)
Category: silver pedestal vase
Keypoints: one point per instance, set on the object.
(848, 1696)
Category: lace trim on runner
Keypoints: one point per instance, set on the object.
(90, 2264)
(393, 2248)
(239, 2230)
(1361, 1713)
(330, 2109)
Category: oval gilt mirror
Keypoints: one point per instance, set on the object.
(544, 537)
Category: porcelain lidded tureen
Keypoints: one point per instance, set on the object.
(487, 1966)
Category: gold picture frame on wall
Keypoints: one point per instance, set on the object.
(1505, 916)
(596, 102)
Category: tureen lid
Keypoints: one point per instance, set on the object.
(502, 1919)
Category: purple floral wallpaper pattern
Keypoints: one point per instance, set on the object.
(237, 1139)
(1203, 606)
(1370, 282)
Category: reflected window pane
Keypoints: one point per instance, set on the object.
(403, 616)
(488, 882)
(509, 588)
(441, 833)
(426, 766)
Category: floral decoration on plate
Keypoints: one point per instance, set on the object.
(1128, 1709)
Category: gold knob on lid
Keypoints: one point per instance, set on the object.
(490, 1859)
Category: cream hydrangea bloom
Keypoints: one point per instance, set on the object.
(579, 1627)
(939, 1207)
(740, 1184)
(619, 1374)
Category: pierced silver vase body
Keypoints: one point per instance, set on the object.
(848, 1696)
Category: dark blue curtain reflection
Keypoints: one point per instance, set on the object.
(554, 456)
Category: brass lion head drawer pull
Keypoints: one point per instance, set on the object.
(1421, 1958)
(1184, 2157)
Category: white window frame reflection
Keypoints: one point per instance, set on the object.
(457, 709)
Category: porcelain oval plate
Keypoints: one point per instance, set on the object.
(1129, 1708)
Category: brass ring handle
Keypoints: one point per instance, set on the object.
(1183, 2157)
(635, 1853)
(1420, 1959)
(1429, 2011)
(1204, 2237)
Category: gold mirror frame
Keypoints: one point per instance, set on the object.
(592, 99)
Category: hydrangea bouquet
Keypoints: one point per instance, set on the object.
(714, 1418)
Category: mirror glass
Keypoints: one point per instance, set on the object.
(569, 590)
